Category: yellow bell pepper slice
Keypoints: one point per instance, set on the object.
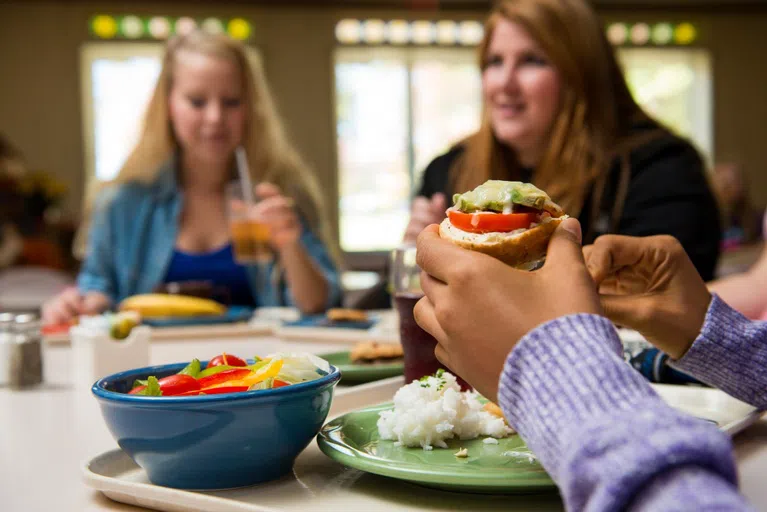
(263, 373)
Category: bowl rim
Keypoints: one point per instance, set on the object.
(100, 392)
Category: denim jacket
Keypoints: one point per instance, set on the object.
(132, 238)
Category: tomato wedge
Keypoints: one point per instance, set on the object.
(488, 222)
(226, 359)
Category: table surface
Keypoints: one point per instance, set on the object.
(48, 432)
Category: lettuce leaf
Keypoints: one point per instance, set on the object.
(193, 369)
(152, 387)
(301, 367)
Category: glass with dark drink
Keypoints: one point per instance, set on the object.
(417, 344)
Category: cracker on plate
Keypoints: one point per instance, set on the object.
(346, 315)
(369, 351)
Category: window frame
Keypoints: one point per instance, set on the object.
(91, 52)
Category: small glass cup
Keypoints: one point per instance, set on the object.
(418, 345)
(250, 235)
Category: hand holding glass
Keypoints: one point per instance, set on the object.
(250, 234)
(418, 345)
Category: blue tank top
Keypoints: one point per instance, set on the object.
(229, 279)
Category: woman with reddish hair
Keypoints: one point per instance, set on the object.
(558, 113)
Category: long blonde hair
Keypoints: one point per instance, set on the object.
(270, 154)
(596, 113)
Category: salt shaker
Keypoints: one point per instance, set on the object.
(6, 338)
(26, 360)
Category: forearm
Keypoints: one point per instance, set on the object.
(747, 291)
(307, 283)
(675, 487)
(11, 245)
(730, 353)
(598, 427)
(742, 293)
(97, 275)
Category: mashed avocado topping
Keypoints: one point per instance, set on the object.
(499, 196)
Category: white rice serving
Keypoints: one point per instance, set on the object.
(430, 411)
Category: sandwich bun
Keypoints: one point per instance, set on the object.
(522, 248)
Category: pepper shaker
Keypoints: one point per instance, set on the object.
(26, 359)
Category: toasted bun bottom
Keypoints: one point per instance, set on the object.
(521, 249)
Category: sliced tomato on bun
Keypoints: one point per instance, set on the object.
(486, 222)
(509, 220)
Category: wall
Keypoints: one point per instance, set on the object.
(40, 89)
(740, 97)
(736, 41)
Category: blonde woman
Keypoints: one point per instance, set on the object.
(165, 218)
(557, 112)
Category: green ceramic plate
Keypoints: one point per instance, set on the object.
(356, 373)
(503, 468)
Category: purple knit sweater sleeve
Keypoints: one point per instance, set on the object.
(730, 354)
(603, 434)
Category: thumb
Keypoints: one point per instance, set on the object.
(565, 244)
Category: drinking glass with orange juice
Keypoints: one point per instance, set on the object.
(250, 235)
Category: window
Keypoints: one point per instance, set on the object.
(396, 109)
(118, 79)
(674, 85)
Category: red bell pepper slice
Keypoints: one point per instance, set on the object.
(221, 377)
(216, 391)
(172, 385)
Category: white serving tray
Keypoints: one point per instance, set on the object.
(182, 333)
(263, 322)
(318, 483)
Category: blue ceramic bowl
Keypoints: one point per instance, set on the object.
(214, 441)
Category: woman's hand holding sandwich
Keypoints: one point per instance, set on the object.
(478, 308)
(424, 212)
(650, 285)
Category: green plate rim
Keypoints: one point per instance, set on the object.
(332, 444)
(362, 373)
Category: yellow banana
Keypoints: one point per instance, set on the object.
(153, 305)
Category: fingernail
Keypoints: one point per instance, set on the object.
(574, 227)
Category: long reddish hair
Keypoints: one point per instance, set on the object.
(596, 114)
